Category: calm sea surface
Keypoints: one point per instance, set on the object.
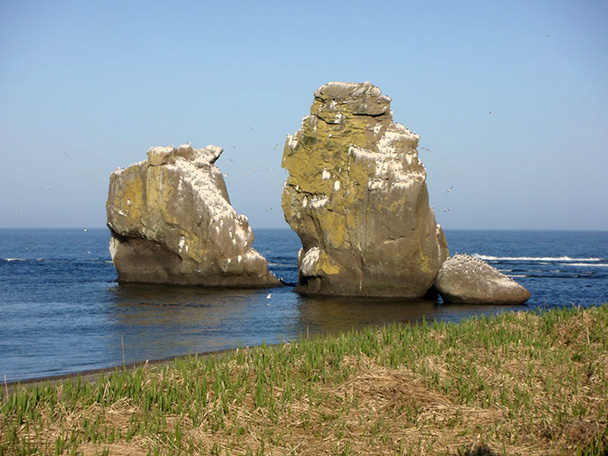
(63, 312)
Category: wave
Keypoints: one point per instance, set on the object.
(542, 259)
(595, 265)
(59, 260)
(585, 276)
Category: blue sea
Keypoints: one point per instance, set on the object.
(61, 310)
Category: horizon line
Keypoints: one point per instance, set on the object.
(82, 228)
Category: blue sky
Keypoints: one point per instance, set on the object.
(86, 87)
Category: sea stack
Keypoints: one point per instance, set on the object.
(172, 223)
(356, 195)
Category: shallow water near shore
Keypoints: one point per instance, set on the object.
(63, 312)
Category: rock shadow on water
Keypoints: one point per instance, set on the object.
(181, 296)
(333, 314)
(160, 321)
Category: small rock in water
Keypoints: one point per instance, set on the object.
(465, 279)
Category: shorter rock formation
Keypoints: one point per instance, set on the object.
(356, 195)
(172, 223)
(465, 279)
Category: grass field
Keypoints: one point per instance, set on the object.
(519, 383)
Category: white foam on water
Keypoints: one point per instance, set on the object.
(595, 265)
(563, 258)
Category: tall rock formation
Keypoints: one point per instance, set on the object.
(357, 197)
(172, 223)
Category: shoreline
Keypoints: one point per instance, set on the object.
(91, 375)
(9, 387)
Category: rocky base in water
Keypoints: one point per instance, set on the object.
(172, 223)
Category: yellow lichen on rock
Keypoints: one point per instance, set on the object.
(328, 266)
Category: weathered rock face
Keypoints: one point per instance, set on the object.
(172, 223)
(356, 195)
(464, 279)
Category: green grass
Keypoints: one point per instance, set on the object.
(518, 383)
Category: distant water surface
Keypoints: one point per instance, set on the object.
(63, 312)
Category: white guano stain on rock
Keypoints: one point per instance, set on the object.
(309, 261)
(319, 202)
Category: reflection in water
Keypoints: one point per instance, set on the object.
(338, 314)
(158, 322)
(161, 321)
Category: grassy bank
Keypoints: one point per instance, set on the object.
(519, 383)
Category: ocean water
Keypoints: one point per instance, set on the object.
(63, 312)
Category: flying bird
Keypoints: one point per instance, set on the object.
(449, 190)
(276, 146)
(445, 210)
(269, 296)
(490, 112)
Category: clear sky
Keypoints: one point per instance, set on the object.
(86, 87)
